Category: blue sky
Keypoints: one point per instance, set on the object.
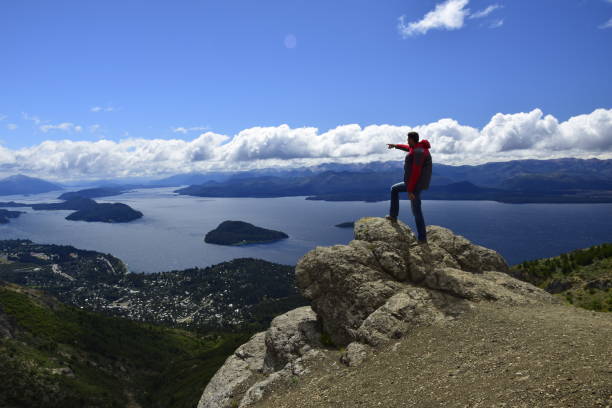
(117, 70)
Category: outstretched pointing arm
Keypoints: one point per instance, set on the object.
(402, 147)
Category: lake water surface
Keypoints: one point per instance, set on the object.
(171, 233)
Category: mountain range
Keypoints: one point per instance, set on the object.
(557, 180)
(563, 180)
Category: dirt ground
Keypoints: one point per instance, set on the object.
(495, 356)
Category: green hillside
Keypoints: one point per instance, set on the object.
(583, 277)
(54, 355)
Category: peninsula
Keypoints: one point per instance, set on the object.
(85, 209)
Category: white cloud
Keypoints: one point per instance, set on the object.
(485, 12)
(94, 128)
(3, 117)
(521, 135)
(607, 24)
(103, 109)
(497, 23)
(185, 130)
(34, 119)
(449, 15)
(11, 126)
(64, 126)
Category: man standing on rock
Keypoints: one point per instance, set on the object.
(417, 174)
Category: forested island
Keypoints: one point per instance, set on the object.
(86, 210)
(106, 212)
(242, 233)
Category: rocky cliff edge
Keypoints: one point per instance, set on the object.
(376, 289)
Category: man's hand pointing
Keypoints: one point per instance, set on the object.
(390, 146)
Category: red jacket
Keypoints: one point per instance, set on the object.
(417, 165)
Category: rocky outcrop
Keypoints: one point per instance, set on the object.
(266, 358)
(383, 283)
(239, 368)
(291, 336)
(378, 288)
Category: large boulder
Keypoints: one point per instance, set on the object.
(238, 370)
(383, 283)
(291, 336)
(469, 256)
(268, 357)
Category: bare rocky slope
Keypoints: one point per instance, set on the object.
(395, 323)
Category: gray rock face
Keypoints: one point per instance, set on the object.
(268, 357)
(355, 354)
(238, 370)
(383, 284)
(291, 336)
(470, 257)
(378, 288)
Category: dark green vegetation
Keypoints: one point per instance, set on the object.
(20, 184)
(103, 350)
(92, 193)
(518, 181)
(87, 210)
(6, 215)
(243, 294)
(582, 277)
(53, 355)
(349, 224)
(241, 233)
(106, 212)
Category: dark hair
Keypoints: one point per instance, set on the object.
(414, 136)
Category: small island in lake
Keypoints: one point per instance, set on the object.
(349, 224)
(86, 210)
(106, 212)
(242, 233)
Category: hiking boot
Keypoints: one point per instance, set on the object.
(391, 218)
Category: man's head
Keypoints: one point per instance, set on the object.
(413, 138)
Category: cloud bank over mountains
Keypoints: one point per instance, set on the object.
(532, 135)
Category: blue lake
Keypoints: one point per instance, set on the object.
(171, 233)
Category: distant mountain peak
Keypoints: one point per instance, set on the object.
(22, 184)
